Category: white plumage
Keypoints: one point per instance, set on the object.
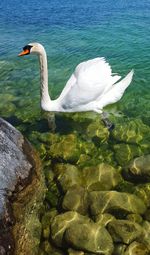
(91, 87)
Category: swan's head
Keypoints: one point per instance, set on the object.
(32, 48)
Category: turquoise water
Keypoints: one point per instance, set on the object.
(72, 31)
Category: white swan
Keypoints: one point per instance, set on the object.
(91, 87)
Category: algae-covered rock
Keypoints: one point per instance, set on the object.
(61, 222)
(146, 234)
(139, 168)
(31, 112)
(75, 252)
(132, 131)
(125, 152)
(119, 248)
(76, 199)
(67, 175)
(147, 215)
(136, 248)
(68, 149)
(103, 219)
(101, 177)
(126, 186)
(46, 138)
(84, 117)
(135, 218)
(97, 130)
(115, 202)
(124, 231)
(46, 221)
(7, 107)
(90, 237)
(47, 248)
(106, 155)
(52, 194)
(143, 192)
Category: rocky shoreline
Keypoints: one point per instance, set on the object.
(98, 190)
(21, 193)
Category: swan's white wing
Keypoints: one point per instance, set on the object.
(90, 80)
(116, 92)
(69, 84)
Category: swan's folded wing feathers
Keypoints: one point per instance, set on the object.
(92, 78)
(93, 71)
(71, 82)
(116, 92)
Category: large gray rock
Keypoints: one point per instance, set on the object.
(113, 201)
(21, 193)
(14, 164)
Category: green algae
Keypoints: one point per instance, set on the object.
(7, 106)
(131, 131)
(125, 152)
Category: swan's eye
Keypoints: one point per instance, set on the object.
(27, 47)
(26, 50)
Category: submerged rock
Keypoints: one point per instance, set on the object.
(136, 248)
(119, 249)
(101, 177)
(67, 175)
(7, 107)
(61, 222)
(21, 193)
(135, 218)
(90, 237)
(124, 153)
(75, 252)
(68, 149)
(124, 231)
(132, 131)
(143, 192)
(115, 202)
(76, 199)
(96, 130)
(139, 168)
(146, 235)
(103, 219)
(47, 248)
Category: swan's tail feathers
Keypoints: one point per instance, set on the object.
(116, 92)
(124, 83)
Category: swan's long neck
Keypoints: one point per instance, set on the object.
(45, 98)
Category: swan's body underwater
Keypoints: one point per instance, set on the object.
(91, 87)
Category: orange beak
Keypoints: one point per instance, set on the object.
(24, 52)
